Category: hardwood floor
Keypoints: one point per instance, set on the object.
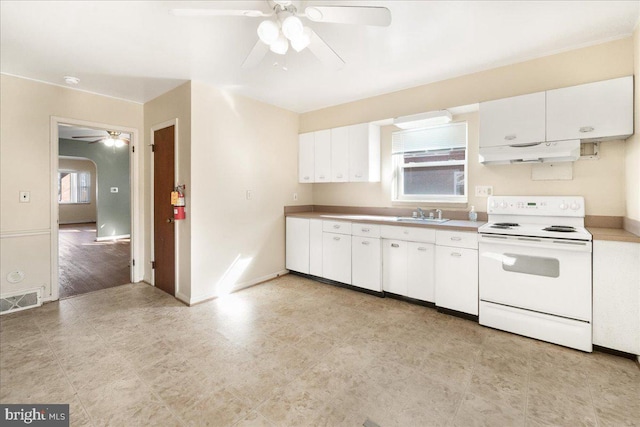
(87, 265)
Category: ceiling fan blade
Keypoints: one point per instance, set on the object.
(89, 136)
(362, 15)
(97, 140)
(256, 55)
(251, 13)
(324, 53)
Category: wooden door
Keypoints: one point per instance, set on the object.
(163, 225)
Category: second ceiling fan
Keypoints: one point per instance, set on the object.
(284, 27)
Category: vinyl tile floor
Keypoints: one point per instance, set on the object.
(294, 352)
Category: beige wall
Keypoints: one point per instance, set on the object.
(632, 147)
(239, 144)
(602, 182)
(82, 212)
(26, 108)
(175, 104)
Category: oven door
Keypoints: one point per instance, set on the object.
(543, 275)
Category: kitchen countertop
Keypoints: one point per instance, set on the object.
(456, 225)
(613, 234)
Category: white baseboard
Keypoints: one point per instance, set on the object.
(182, 297)
(122, 236)
(243, 285)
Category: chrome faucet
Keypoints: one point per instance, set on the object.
(439, 212)
(420, 212)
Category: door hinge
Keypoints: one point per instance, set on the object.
(153, 264)
(133, 262)
(153, 147)
(133, 148)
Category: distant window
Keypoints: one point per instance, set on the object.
(74, 187)
(430, 164)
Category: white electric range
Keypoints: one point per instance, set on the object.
(535, 269)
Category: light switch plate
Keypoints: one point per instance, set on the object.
(25, 197)
(114, 189)
(484, 190)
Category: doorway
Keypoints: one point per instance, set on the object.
(164, 246)
(94, 195)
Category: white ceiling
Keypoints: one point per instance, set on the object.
(138, 50)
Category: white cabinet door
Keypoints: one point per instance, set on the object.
(420, 271)
(340, 154)
(512, 121)
(364, 153)
(457, 279)
(315, 247)
(595, 110)
(394, 266)
(297, 245)
(616, 295)
(366, 263)
(322, 156)
(305, 157)
(336, 257)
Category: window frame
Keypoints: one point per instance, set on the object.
(75, 195)
(399, 166)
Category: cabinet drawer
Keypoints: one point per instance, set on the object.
(339, 227)
(365, 230)
(457, 239)
(410, 234)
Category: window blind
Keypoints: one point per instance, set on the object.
(452, 135)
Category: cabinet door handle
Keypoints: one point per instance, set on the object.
(339, 175)
(336, 238)
(358, 175)
(406, 231)
(456, 254)
(321, 176)
(510, 137)
(395, 245)
(365, 243)
(336, 226)
(422, 249)
(586, 129)
(365, 230)
(456, 238)
(306, 178)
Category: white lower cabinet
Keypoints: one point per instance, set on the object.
(394, 266)
(297, 245)
(457, 271)
(336, 257)
(616, 295)
(421, 278)
(315, 247)
(366, 263)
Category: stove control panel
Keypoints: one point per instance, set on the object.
(572, 206)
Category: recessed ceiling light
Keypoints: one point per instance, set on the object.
(70, 80)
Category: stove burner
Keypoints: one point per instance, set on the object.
(560, 229)
(506, 224)
(502, 227)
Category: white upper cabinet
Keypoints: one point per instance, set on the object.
(364, 153)
(305, 157)
(513, 121)
(322, 156)
(340, 154)
(594, 110)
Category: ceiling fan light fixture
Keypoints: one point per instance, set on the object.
(109, 142)
(292, 27)
(300, 42)
(268, 31)
(280, 46)
(119, 143)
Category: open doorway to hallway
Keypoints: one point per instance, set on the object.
(94, 209)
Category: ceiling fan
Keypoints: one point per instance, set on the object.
(113, 139)
(284, 27)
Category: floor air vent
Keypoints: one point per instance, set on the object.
(11, 303)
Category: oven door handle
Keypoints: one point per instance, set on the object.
(567, 245)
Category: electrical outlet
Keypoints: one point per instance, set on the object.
(25, 197)
(295, 196)
(484, 190)
(249, 195)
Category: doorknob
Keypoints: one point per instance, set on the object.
(169, 220)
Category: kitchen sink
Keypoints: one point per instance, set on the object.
(421, 220)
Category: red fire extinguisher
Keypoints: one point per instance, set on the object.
(178, 206)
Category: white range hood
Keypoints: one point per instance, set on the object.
(543, 152)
